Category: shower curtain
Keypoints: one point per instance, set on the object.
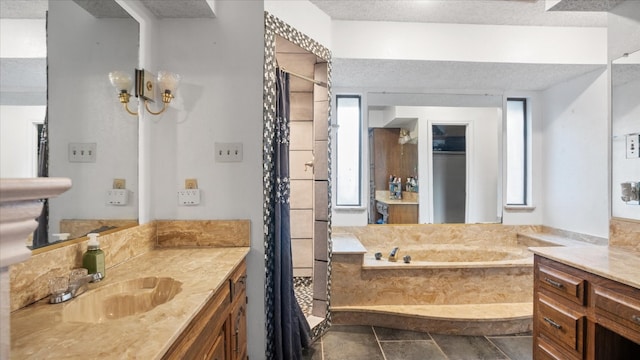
(291, 330)
(40, 235)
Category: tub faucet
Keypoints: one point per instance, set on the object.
(73, 289)
(393, 256)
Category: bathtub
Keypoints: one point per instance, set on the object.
(472, 284)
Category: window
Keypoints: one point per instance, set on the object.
(348, 144)
(517, 154)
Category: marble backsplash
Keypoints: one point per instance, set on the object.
(216, 233)
(624, 233)
(595, 240)
(387, 235)
(29, 279)
(81, 227)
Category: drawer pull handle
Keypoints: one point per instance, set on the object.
(554, 283)
(636, 318)
(553, 323)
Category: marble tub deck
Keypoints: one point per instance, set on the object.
(462, 319)
(470, 298)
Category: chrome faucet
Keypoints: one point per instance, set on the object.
(62, 294)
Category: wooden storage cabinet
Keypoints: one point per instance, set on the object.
(398, 213)
(580, 315)
(219, 330)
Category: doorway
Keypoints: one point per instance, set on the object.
(449, 173)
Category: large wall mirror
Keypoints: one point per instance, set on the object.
(448, 145)
(625, 129)
(85, 40)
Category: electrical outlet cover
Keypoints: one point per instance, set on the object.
(189, 197)
(117, 197)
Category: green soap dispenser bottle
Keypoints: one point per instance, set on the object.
(93, 258)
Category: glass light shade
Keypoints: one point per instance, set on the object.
(168, 81)
(120, 80)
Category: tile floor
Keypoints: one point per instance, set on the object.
(374, 343)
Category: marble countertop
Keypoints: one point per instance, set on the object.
(408, 198)
(38, 331)
(347, 244)
(619, 264)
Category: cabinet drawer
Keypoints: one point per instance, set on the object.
(546, 351)
(238, 281)
(621, 308)
(561, 324)
(559, 282)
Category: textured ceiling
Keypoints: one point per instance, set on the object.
(30, 9)
(179, 8)
(390, 75)
(393, 75)
(585, 5)
(399, 74)
(496, 12)
(103, 8)
(23, 9)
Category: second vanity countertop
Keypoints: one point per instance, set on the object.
(408, 198)
(614, 263)
(39, 331)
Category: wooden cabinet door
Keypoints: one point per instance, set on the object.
(218, 349)
(239, 330)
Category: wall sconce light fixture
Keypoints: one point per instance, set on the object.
(144, 85)
(630, 192)
(405, 137)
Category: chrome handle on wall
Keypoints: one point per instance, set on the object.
(308, 164)
(554, 283)
(553, 323)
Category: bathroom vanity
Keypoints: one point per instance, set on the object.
(388, 157)
(206, 318)
(586, 303)
(219, 330)
(402, 211)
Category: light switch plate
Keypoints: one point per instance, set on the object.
(189, 197)
(117, 197)
(82, 152)
(228, 152)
